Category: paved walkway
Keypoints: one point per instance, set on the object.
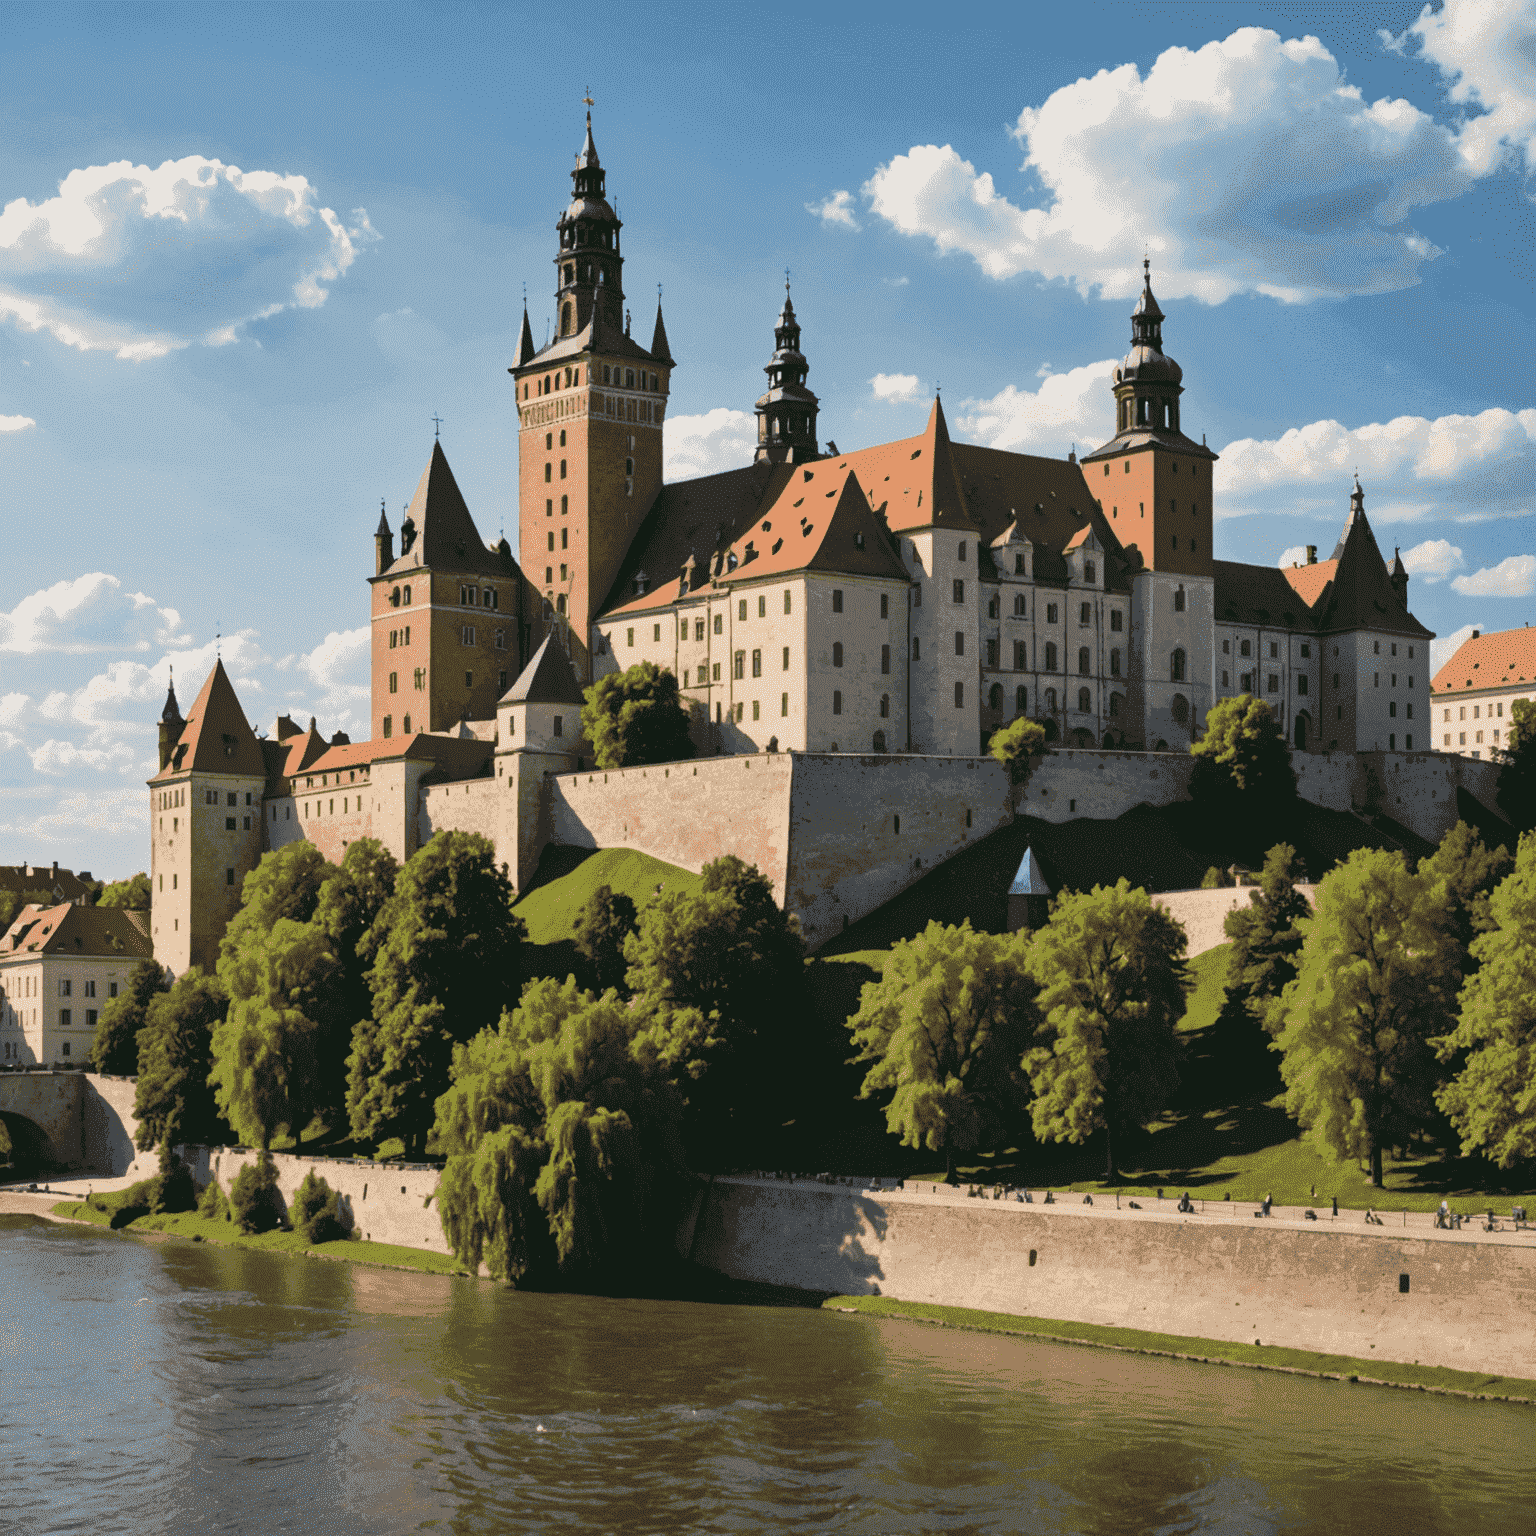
(1108, 1207)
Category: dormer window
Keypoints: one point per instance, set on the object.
(1090, 572)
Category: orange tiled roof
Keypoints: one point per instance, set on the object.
(1504, 659)
(1309, 580)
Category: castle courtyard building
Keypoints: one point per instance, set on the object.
(1474, 691)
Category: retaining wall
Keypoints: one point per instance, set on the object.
(1070, 782)
(389, 1205)
(1469, 1305)
(1203, 912)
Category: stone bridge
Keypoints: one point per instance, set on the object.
(73, 1120)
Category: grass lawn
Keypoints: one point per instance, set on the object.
(189, 1224)
(567, 877)
(1269, 1357)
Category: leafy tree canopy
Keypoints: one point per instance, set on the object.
(285, 884)
(560, 1127)
(132, 894)
(116, 1046)
(1242, 765)
(448, 961)
(1467, 871)
(602, 926)
(1517, 767)
(1491, 1101)
(946, 1027)
(1376, 975)
(1112, 979)
(11, 903)
(635, 717)
(1014, 744)
(173, 1101)
(1266, 937)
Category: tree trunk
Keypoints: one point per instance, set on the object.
(1376, 1165)
(1109, 1153)
(950, 1176)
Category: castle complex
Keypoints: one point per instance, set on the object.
(907, 598)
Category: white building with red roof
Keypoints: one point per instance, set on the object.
(1474, 691)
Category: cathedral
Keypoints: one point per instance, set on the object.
(905, 598)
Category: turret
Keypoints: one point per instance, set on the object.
(383, 544)
(1398, 576)
(786, 415)
(171, 724)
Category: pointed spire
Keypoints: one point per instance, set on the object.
(588, 155)
(525, 341)
(382, 531)
(660, 349)
(171, 714)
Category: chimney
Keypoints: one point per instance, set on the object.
(1311, 554)
(1477, 634)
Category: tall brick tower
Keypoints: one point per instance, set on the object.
(590, 407)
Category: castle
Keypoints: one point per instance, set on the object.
(903, 599)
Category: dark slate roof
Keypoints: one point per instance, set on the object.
(547, 679)
(661, 348)
(102, 932)
(1258, 595)
(217, 737)
(446, 536)
(1030, 880)
(1361, 595)
(1149, 437)
(599, 335)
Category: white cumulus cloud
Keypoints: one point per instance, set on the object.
(90, 613)
(1072, 407)
(142, 261)
(16, 423)
(835, 208)
(1249, 165)
(1468, 468)
(1433, 560)
(894, 387)
(1295, 555)
(717, 440)
(1511, 577)
(335, 675)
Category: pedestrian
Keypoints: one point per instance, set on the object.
(1335, 1205)
(1269, 1200)
(1443, 1215)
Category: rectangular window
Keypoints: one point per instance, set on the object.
(885, 655)
(559, 725)
(1301, 683)
(917, 594)
(959, 590)
(698, 630)
(1274, 683)
(885, 605)
(959, 642)
(421, 679)
(111, 989)
(739, 666)
(90, 988)
(992, 654)
(467, 635)
(757, 663)
(783, 704)
(1085, 614)
(1116, 619)
(739, 709)
(754, 709)
(64, 987)
(786, 600)
(64, 1018)
(959, 695)
(786, 658)
(741, 608)
(1050, 613)
(631, 636)
(837, 599)
(229, 877)
(90, 1018)
(655, 632)
(716, 677)
(1020, 656)
(837, 701)
(229, 823)
(394, 682)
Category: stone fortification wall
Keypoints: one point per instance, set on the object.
(1204, 912)
(86, 1120)
(682, 813)
(469, 806)
(862, 829)
(388, 1205)
(1070, 782)
(1305, 1285)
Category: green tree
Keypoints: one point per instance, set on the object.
(116, 1046)
(255, 1204)
(172, 1099)
(286, 884)
(265, 1075)
(635, 717)
(448, 961)
(561, 1129)
(601, 928)
(730, 951)
(1110, 967)
(315, 1211)
(1266, 937)
(1243, 775)
(1517, 767)
(1014, 744)
(1467, 871)
(1491, 1101)
(946, 1027)
(11, 903)
(1375, 978)
(132, 894)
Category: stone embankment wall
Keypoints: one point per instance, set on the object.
(388, 1205)
(1069, 782)
(469, 806)
(85, 1119)
(1203, 912)
(1438, 1298)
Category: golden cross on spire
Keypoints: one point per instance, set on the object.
(589, 101)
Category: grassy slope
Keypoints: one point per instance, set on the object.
(1268, 1357)
(567, 877)
(190, 1225)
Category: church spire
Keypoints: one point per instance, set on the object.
(786, 415)
(660, 348)
(588, 267)
(525, 340)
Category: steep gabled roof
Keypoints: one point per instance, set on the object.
(1259, 595)
(446, 536)
(70, 930)
(914, 479)
(1311, 581)
(1504, 659)
(1361, 595)
(547, 679)
(217, 737)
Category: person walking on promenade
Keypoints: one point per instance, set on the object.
(1269, 1200)
(1335, 1205)
(1443, 1215)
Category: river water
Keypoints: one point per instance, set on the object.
(171, 1387)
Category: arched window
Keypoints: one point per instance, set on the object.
(1050, 701)
(1018, 605)
(1179, 709)
(885, 709)
(565, 311)
(837, 653)
(995, 697)
(1084, 702)
(1050, 655)
(879, 741)
(1020, 700)
(1084, 662)
(406, 599)
(1176, 671)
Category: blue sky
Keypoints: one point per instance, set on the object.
(246, 252)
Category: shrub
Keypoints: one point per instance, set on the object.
(1015, 743)
(316, 1211)
(253, 1199)
(173, 1188)
(211, 1203)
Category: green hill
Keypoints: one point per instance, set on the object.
(567, 877)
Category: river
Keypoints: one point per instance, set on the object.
(171, 1387)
